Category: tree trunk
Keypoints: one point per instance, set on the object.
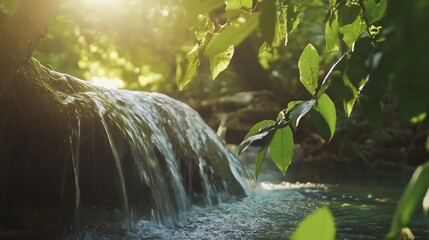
(22, 32)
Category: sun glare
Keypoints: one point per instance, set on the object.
(101, 3)
(107, 82)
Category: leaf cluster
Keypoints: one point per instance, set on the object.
(376, 48)
(277, 136)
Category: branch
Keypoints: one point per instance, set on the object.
(23, 31)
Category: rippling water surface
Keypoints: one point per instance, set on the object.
(274, 210)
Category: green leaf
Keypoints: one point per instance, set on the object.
(292, 104)
(281, 27)
(268, 20)
(233, 34)
(350, 95)
(261, 157)
(258, 126)
(319, 225)
(205, 26)
(281, 148)
(257, 132)
(220, 62)
(348, 14)
(374, 10)
(194, 8)
(325, 117)
(412, 197)
(308, 65)
(332, 34)
(299, 111)
(187, 67)
(345, 90)
(238, 4)
(260, 160)
(290, 20)
(351, 24)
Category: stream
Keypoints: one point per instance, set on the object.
(273, 211)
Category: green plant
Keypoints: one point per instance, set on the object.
(350, 25)
(317, 225)
(376, 46)
(413, 196)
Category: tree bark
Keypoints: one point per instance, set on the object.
(22, 32)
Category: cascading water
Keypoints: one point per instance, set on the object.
(145, 154)
(158, 132)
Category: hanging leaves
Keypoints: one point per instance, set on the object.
(187, 68)
(291, 105)
(299, 111)
(332, 34)
(233, 34)
(350, 94)
(412, 197)
(261, 157)
(374, 10)
(281, 148)
(220, 62)
(350, 23)
(308, 65)
(325, 117)
(257, 132)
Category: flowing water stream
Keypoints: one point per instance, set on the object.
(274, 211)
(152, 131)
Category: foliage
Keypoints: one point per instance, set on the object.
(318, 225)
(309, 68)
(345, 19)
(323, 109)
(367, 38)
(412, 197)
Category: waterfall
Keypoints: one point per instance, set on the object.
(165, 145)
(73, 155)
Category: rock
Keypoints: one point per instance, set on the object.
(234, 115)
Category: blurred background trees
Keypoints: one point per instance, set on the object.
(136, 45)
